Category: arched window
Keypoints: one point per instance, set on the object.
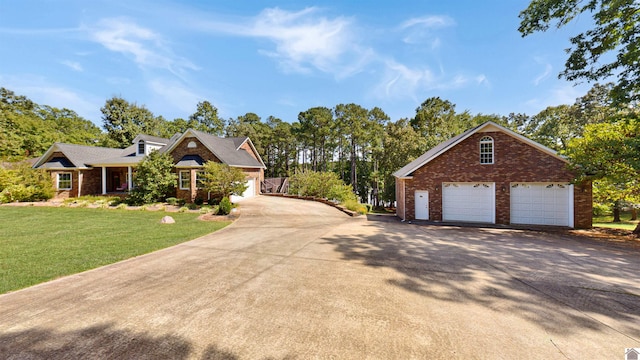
(486, 150)
(141, 147)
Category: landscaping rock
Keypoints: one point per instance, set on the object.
(167, 220)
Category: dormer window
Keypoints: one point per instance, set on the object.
(486, 150)
(141, 147)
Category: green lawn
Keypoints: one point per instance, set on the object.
(607, 221)
(42, 243)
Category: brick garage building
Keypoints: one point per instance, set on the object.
(490, 174)
(78, 170)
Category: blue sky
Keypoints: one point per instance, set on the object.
(281, 58)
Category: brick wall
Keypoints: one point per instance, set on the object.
(514, 161)
(182, 149)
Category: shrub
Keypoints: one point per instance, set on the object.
(354, 205)
(23, 183)
(154, 179)
(183, 209)
(221, 180)
(601, 209)
(225, 206)
(192, 206)
(321, 185)
(198, 201)
(172, 201)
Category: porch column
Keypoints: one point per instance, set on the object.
(79, 183)
(104, 180)
(129, 178)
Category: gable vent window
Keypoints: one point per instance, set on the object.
(486, 150)
(141, 147)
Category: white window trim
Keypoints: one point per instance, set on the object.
(487, 140)
(180, 179)
(70, 181)
(144, 148)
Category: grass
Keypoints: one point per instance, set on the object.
(38, 244)
(607, 221)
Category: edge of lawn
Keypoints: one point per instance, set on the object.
(60, 271)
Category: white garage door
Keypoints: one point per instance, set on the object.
(472, 202)
(250, 192)
(542, 204)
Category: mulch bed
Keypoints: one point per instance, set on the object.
(613, 236)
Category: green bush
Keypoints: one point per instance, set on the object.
(354, 205)
(192, 206)
(225, 206)
(172, 201)
(24, 184)
(154, 179)
(321, 185)
(601, 209)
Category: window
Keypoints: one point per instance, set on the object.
(64, 181)
(141, 147)
(200, 179)
(486, 150)
(185, 180)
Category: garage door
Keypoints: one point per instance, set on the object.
(250, 192)
(469, 202)
(542, 204)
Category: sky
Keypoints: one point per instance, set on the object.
(279, 58)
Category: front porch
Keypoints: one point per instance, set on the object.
(116, 180)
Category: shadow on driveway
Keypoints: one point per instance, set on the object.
(546, 278)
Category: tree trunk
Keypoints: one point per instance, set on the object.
(616, 212)
(634, 213)
(637, 230)
(354, 177)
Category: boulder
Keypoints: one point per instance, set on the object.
(167, 220)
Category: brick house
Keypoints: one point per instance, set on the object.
(78, 170)
(490, 174)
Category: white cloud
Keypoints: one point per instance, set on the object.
(401, 81)
(73, 65)
(145, 46)
(304, 40)
(40, 90)
(559, 95)
(175, 94)
(545, 74)
(421, 30)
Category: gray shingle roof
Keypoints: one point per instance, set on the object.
(227, 150)
(81, 155)
(190, 161)
(155, 139)
(57, 163)
(437, 150)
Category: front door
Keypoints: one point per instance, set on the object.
(422, 204)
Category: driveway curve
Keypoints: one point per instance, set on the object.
(294, 279)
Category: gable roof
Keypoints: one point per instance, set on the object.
(149, 138)
(80, 156)
(407, 170)
(227, 150)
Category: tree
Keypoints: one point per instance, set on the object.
(206, 119)
(223, 181)
(615, 30)
(154, 179)
(28, 129)
(436, 121)
(316, 132)
(609, 153)
(401, 144)
(123, 121)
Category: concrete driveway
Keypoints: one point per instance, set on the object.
(296, 280)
